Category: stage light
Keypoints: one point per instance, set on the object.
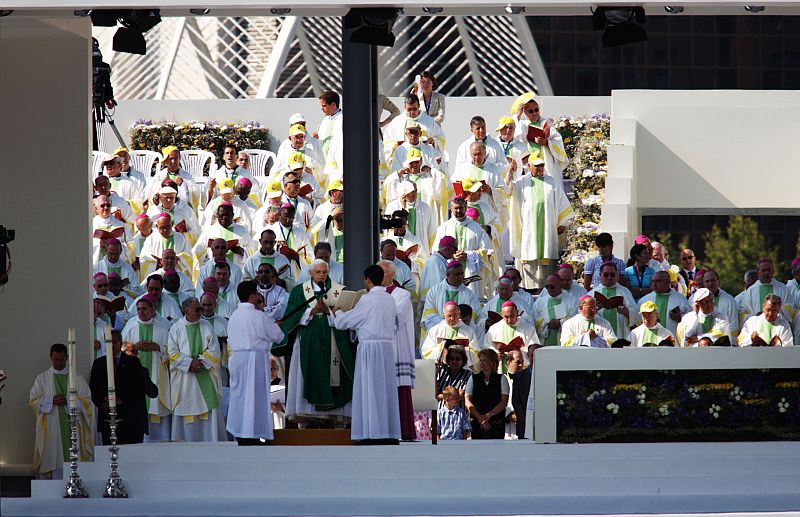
(199, 12)
(280, 11)
(130, 41)
(82, 13)
(673, 9)
(106, 17)
(620, 25)
(432, 10)
(754, 8)
(514, 9)
(372, 26)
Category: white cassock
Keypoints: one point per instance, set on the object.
(187, 190)
(753, 299)
(502, 332)
(433, 187)
(487, 173)
(471, 239)
(220, 325)
(405, 356)
(766, 330)
(619, 323)
(335, 272)
(439, 294)
(494, 153)
(159, 409)
(275, 301)
(125, 187)
(122, 211)
(329, 129)
(243, 213)
(312, 156)
(184, 219)
(537, 238)
(728, 309)
(376, 410)
(166, 307)
(122, 268)
(207, 270)
(513, 150)
(197, 415)
(110, 224)
(424, 223)
(297, 239)
(432, 346)
(645, 336)
(495, 304)
(547, 308)
(712, 326)
(304, 212)
(50, 446)
(665, 303)
(404, 276)
(398, 156)
(134, 246)
(153, 250)
(396, 132)
(250, 336)
(575, 332)
(235, 232)
(434, 271)
(186, 282)
(276, 259)
(555, 157)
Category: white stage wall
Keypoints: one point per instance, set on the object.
(45, 89)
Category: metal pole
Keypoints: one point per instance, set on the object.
(359, 85)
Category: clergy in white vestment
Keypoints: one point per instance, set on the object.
(138, 178)
(243, 210)
(433, 186)
(250, 336)
(267, 254)
(394, 133)
(567, 275)
(323, 251)
(615, 302)
(309, 188)
(794, 283)
(236, 236)
(435, 268)
(49, 399)
(451, 328)
(405, 350)
(473, 244)
(165, 306)
(99, 329)
(113, 263)
(311, 142)
(194, 361)
(227, 287)
(754, 297)
(704, 321)
(671, 304)
(292, 238)
(407, 244)
(587, 328)
(451, 289)
(376, 410)
(304, 211)
(299, 142)
(221, 306)
(219, 253)
(120, 208)
(770, 328)
(150, 336)
(481, 210)
(184, 219)
(144, 227)
(650, 332)
(165, 238)
(413, 134)
(170, 262)
(172, 171)
(104, 228)
(332, 232)
(208, 310)
(479, 169)
(335, 200)
(494, 152)
(330, 128)
(504, 292)
(402, 273)
(539, 212)
(553, 307)
(276, 298)
(230, 170)
(547, 141)
(120, 183)
(510, 333)
(420, 219)
(514, 149)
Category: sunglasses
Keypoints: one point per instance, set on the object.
(102, 285)
(687, 258)
(609, 275)
(294, 181)
(105, 205)
(533, 110)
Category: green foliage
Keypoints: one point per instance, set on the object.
(734, 249)
(208, 136)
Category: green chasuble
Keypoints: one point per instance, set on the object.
(339, 241)
(507, 334)
(412, 220)
(228, 235)
(552, 335)
(765, 330)
(61, 384)
(763, 291)
(315, 353)
(451, 332)
(461, 236)
(706, 322)
(537, 203)
(662, 302)
(203, 376)
(146, 357)
(168, 243)
(610, 314)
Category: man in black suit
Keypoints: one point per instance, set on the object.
(133, 384)
(688, 267)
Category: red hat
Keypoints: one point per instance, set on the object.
(244, 182)
(447, 241)
(149, 299)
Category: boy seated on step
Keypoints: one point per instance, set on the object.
(453, 420)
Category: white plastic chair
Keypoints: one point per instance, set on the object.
(194, 161)
(98, 157)
(143, 161)
(259, 159)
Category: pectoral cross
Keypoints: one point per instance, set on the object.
(336, 293)
(335, 361)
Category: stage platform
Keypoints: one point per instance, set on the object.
(451, 478)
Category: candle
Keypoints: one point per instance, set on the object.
(112, 392)
(73, 368)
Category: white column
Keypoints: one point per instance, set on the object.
(619, 214)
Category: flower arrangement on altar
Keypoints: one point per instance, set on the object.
(684, 405)
(209, 136)
(586, 143)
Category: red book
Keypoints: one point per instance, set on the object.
(540, 132)
(305, 190)
(515, 344)
(105, 235)
(458, 188)
(609, 303)
(181, 227)
(289, 253)
(113, 305)
(231, 244)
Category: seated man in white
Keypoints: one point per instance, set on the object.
(242, 212)
(120, 208)
(704, 321)
(104, 228)
(567, 274)
(494, 151)
(402, 274)
(183, 216)
(165, 306)
(504, 292)
(297, 145)
(310, 146)
(323, 251)
(650, 332)
(587, 328)
(394, 133)
(219, 253)
(513, 148)
(120, 184)
(753, 300)
(144, 227)
(769, 328)
(335, 200)
(671, 305)
(615, 302)
(413, 134)
(267, 254)
(236, 236)
(210, 285)
(172, 170)
(230, 169)
(170, 262)
(451, 328)
(159, 242)
(553, 307)
(510, 333)
(113, 263)
(304, 211)
(420, 219)
(452, 288)
(292, 239)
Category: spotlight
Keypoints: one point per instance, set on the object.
(106, 17)
(135, 22)
(673, 9)
(280, 11)
(130, 41)
(5, 12)
(432, 10)
(754, 8)
(514, 9)
(620, 25)
(372, 26)
(199, 12)
(82, 13)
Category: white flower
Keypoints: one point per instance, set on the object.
(663, 409)
(783, 406)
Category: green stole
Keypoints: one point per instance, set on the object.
(338, 239)
(763, 291)
(506, 334)
(706, 322)
(461, 239)
(228, 235)
(537, 203)
(610, 314)
(552, 335)
(477, 206)
(203, 376)
(326, 141)
(662, 302)
(451, 332)
(287, 238)
(267, 260)
(650, 337)
(168, 243)
(114, 182)
(588, 325)
(765, 330)
(412, 219)
(61, 384)
(450, 296)
(146, 357)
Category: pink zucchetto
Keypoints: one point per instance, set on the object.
(509, 303)
(97, 275)
(244, 182)
(450, 303)
(114, 275)
(453, 263)
(141, 216)
(447, 241)
(149, 299)
(565, 266)
(472, 212)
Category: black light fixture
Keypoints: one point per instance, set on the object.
(754, 8)
(135, 22)
(372, 26)
(673, 9)
(199, 12)
(5, 12)
(432, 10)
(280, 11)
(620, 25)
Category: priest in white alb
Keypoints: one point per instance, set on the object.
(615, 302)
(510, 333)
(671, 304)
(704, 321)
(770, 328)
(650, 332)
(553, 307)
(753, 299)
(587, 328)
(451, 328)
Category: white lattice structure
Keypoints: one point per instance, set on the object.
(201, 57)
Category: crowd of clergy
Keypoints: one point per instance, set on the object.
(471, 263)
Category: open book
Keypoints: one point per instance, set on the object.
(459, 340)
(114, 304)
(181, 227)
(515, 344)
(305, 190)
(348, 299)
(537, 132)
(608, 303)
(105, 235)
(231, 244)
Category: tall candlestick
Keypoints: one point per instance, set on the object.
(73, 368)
(112, 392)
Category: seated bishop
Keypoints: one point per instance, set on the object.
(510, 334)
(587, 328)
(451, 329)
(184, 220)
(769, 328)
(105, 227)
(553, 307)
(452, 288)
(151, 257)
(704, 321)
(268, 254)
(650, 332)
(235, 235)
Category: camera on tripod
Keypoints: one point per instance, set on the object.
(390, 222)
(6, 235)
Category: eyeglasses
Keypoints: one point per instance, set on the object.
(539, 165)
(294, 181)
(687, 258)
(105, 205)
(533, 110)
